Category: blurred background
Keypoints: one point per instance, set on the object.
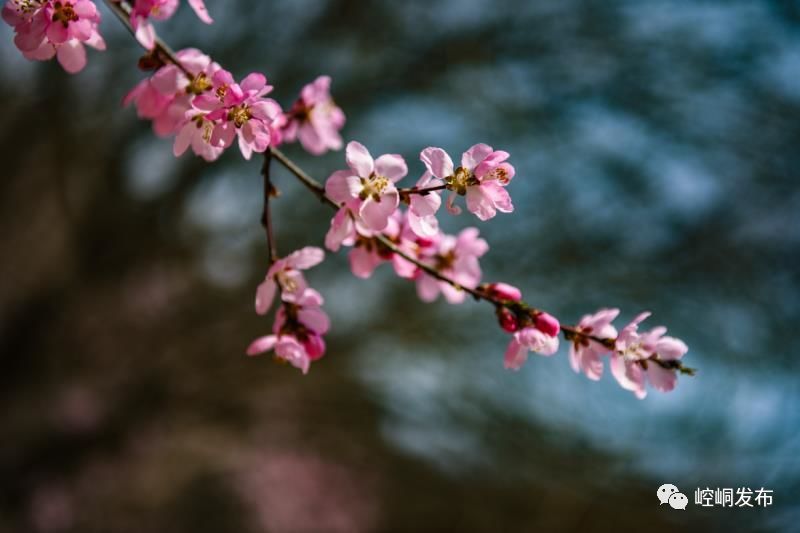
(657, 147)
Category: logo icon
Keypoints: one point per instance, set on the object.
(669, 493)
(678, 501)
(665, 491)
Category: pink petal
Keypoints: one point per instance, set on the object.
(314, 319)
(437, 161)
(254, 82)
(670, 348)
(452, 208)
(479, 203)
(516, 355)
(472, 157)
(342, 186)
(72, 56)
(359, 159)
(305, 258)
(201, 11)
(391, 166)
(660, 378)
(342, 231)
(264, 296)
(427, 288)
(183, 139)
(261, 345)
(363, 262)
(376, 214)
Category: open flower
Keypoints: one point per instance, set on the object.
(240, 110)
(367, 187)
(529, 339)
(314, 119)
(634, 361)
(584, 352)
(286, 274)
(166, 96)
(61, 28)
(482, 178)
(456, 258)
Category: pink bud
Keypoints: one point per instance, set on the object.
(504, 291)
(508, 320)
(547, 324)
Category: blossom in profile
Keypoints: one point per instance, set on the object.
(455, 257)
(315, 120)
(482, 177)
(54, 28)
(297, 332)
(367, 187)
(144, 10)
(636, 357)
(585, 352)
(529, 339)
(165, 98)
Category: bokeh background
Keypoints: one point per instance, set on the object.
(657, 147)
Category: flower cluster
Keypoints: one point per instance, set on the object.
(371, 221)
(143, 10)
(635, 358)
(369, 213)
(300, 321)
(44, 29)
(206, 109)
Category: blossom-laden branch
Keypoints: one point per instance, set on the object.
(194, 99)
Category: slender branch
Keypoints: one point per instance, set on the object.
(266, 215)
(423, 191)
(165, 53)
(313, 185)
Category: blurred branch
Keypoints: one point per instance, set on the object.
(266, 215)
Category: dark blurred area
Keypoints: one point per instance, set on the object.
(657, 147)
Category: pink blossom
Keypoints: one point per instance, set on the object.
(482, 178)
(165, 97)
(47, 28)
(527, 340)
(585, 353)
(367, 187)
(143, 10)
(240, 110)
(286, 274)
(297, 331)
(456, 258)
(368, 252)
(633, 362)
(315, 119)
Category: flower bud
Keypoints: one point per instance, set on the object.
(504, 291)
(508, 320)
(547, 324)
